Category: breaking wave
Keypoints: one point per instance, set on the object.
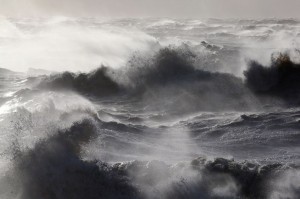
(53, 168)
(280, 79)
(169, 72)
(173, 122)
(175, 71)
(96, 83)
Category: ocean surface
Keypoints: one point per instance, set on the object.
(149, 108)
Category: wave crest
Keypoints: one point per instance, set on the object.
(280, 79)
(169, 72)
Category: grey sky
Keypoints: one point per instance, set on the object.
(153, 8)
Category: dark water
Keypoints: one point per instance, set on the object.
(173, 123)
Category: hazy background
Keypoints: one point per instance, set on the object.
(153, 8)
(60, 42)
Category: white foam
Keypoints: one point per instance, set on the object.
(55, 45)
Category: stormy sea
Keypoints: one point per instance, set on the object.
(149, 108)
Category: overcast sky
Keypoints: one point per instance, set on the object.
(153, 8)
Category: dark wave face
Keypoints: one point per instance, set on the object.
(97, 83)
(280, 79)
(171, 71)
(54, 169)
(171, 76)
(176, 111)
